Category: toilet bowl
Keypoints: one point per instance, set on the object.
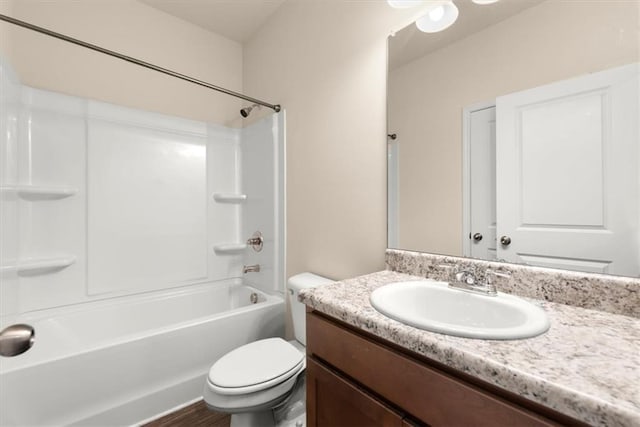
(252, 380)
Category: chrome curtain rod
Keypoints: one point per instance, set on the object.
(23, 24)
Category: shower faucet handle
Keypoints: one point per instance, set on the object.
(256, 241)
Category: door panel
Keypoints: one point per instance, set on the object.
(562, 161)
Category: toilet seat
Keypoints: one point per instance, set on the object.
(257, 401)
(254, 376)
(255, 366)
(253, 388)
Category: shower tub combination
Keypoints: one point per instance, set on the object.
(122, 361)
(123, 244)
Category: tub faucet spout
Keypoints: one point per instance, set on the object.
(251, 268)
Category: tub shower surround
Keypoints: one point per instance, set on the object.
(612, 294)
(585, 366)
(123, 243)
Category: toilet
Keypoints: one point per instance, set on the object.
(266, 377)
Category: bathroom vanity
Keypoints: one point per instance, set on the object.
(364, 368)
(355, 377)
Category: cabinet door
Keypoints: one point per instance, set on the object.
(332, 401)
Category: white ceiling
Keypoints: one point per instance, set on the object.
(235, 19)
(410, 43)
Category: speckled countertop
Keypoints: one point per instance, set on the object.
(586, 366)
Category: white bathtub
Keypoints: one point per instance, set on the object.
(124, 360)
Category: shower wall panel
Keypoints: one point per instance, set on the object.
(224, 166)
(262, 150)
(52, 228)
(9, 112)
(147, 225)
(101, 201)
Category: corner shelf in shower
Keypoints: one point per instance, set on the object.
(229, 248)
(34, 192)
(229, 197)
(35, 266)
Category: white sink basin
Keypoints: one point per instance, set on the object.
(435, 307)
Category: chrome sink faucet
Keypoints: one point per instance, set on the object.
(466, 280)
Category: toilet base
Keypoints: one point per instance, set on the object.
(292, 412)
(253, 419)
(299, 421)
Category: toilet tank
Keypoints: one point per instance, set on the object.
(298, 312)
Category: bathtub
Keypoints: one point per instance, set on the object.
(125, 360)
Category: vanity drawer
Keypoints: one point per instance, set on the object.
(429, 394)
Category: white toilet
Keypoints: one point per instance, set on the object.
(253, 380)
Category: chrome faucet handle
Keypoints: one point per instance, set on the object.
(466, 276)
(489, 273)
(256, 241)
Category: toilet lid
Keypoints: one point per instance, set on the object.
(255, 363)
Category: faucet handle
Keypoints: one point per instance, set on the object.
(489, 273)
(256, 241)
(466, 276)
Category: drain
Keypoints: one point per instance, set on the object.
(16, 339)
(253, 298)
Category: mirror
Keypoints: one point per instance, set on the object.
(513, 135)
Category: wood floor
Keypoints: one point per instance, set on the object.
(196, 415)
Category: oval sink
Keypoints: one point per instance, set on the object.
(436, 307)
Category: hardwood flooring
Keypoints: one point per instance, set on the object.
(196, 415)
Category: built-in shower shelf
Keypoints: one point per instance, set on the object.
(229, 197)
(34, 266)
(34, 192)
(230, 248)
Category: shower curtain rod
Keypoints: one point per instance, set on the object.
(274, 107)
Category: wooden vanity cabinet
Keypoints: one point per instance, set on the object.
(336, 398)
(355, 379)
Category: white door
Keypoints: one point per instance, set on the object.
(482, 183)
(567, 174)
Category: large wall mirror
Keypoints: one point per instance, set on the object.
(514, 135)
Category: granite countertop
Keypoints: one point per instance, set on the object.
(586, 366)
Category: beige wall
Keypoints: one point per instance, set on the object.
(6, 8)
(553, 41)
(134, 29)
(325, 62)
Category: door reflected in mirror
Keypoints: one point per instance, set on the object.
(517, 136)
